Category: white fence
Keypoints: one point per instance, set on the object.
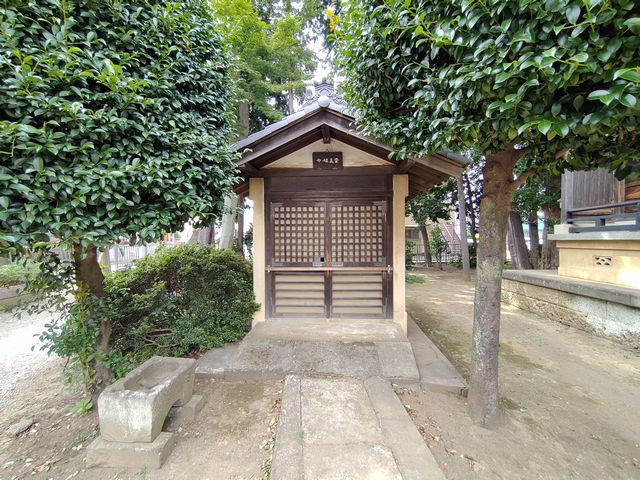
(119, 256)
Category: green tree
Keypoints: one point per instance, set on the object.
(431, 206)
(438, 244)
(534, 79)
(273, 60)
(312, 13)
(114, 124)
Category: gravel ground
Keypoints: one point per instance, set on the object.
(18, 362)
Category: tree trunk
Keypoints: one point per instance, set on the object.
(517, 244)
(291, 102)
(462, 221)
(428, 262)
(228, 222)
(534, 240)
(499, 188)
(549, 251)
(472, 215)
(89, 278)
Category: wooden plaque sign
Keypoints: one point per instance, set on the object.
(327, 160)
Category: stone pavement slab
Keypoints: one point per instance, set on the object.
(397, 361)
(336, 358)
(335, 411)
(347, 428)
(342, 330)
(288, 447)
(359, 461)
(413, 457)
(270, 351)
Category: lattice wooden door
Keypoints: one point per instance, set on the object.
(329, 258)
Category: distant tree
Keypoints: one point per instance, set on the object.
(472, 180)
(438, 244)
(540, 193)
(113, 124)
(272, 58)
(431, 206)
(548, 82)
(311, 12)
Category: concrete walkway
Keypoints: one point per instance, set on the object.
(340, 418)
(347, 428)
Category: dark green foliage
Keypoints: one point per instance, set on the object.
(408, 255)
(176, 302)
(113, 119)
(432, 205)
(428, 75)
(272, 57)
(410, 278)
(539, 192)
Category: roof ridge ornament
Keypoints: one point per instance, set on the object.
(323, 92)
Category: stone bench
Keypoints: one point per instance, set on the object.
(134, 408)
(132, 411)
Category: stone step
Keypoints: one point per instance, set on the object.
(261, 358)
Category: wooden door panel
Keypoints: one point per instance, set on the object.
(357, 233)
(300, 294)
(298, 233)
(328, 236)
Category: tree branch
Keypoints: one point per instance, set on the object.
(522, 179)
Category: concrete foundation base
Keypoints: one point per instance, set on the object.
(603, 309)
(103, 453)
(349, 348)
(188, 412)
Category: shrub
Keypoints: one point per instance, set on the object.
(17, 274)
(410, 278)
(177, 302)
(408, 255)
(456, 260)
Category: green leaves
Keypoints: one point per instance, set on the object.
(573, 13)
(627, 100)
(112, 127)
(554, 75)
(631, 74)
(617, 93)
(581, 57)
(633, 24)
(603, 95)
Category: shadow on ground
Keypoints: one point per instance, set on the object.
(569, 397)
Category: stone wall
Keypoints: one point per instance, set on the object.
(585, 307)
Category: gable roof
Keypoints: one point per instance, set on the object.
(323, 120)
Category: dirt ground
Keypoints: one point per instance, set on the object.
(571, 404)
(230, 440)
(571, 400)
